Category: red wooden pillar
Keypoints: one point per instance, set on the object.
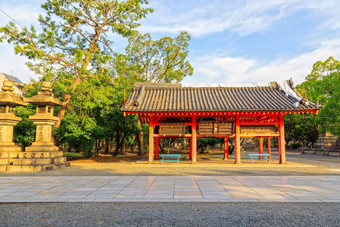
(237, 140)
(193, 140)
(261, 146)
(282, 145)
(268, 148)
(157, 147)
(190, 151)
(151, 139)
(226, 149)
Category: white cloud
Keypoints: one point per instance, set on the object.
(225, 69)
(241, 17)
(25, 14)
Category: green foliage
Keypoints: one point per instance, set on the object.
(203, 143)
(72, 155)
(119, 127)
(329, 117)
(77, 132)
(323, 85)
(162, 60)
(32, 88)
(295, 145)
(301, 128)
(75, 33)
(24, 131)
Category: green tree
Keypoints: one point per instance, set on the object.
(83, 125)
(322, 86)
(301, 128)
(24, 131)
(163, 60)
(77, 133)
(73, 38)
(205, 143)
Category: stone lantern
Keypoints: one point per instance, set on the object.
(44, 119)
(43, 149)
(8, 102)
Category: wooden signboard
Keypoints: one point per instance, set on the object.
(259, 129)
(206, 127)
(215, 127)
(172, 129)
(225, 128)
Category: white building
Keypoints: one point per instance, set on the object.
(18, 85)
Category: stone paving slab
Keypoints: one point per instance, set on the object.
(170, 189)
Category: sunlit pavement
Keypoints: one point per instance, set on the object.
(170, 189)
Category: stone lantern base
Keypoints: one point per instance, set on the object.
(33, 161)
(38, 157)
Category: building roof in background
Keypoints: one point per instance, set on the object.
(13, 78)
(270, 96)
(17, 82)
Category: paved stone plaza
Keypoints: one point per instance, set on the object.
(170, 189)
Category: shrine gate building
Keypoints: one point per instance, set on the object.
(216, 110)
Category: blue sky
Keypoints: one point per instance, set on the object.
(232, 41)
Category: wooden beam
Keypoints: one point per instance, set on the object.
(282, 145)
(237, 140)
(172, 136)
(259, 135)
(213, 136)
(193, 140)
(259, 123)
(223, 113)
(151, 139)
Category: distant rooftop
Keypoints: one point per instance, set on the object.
(13, 78)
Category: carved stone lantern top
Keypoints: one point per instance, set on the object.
(8, 98)
(45, 97)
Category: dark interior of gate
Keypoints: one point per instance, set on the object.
(255, 110)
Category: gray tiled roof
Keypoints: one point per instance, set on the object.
(12, 78)
(147, 97)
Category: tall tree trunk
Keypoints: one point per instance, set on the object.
(97, 146)
(119, 144)
(66, 102)
(115, 153)
(140, 139)
(107, 147)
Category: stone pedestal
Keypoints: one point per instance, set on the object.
(8, 150)
(7, 122)
(43, 139)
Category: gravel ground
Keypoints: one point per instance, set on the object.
(140, 170)
(170, 214)
(298, 165)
